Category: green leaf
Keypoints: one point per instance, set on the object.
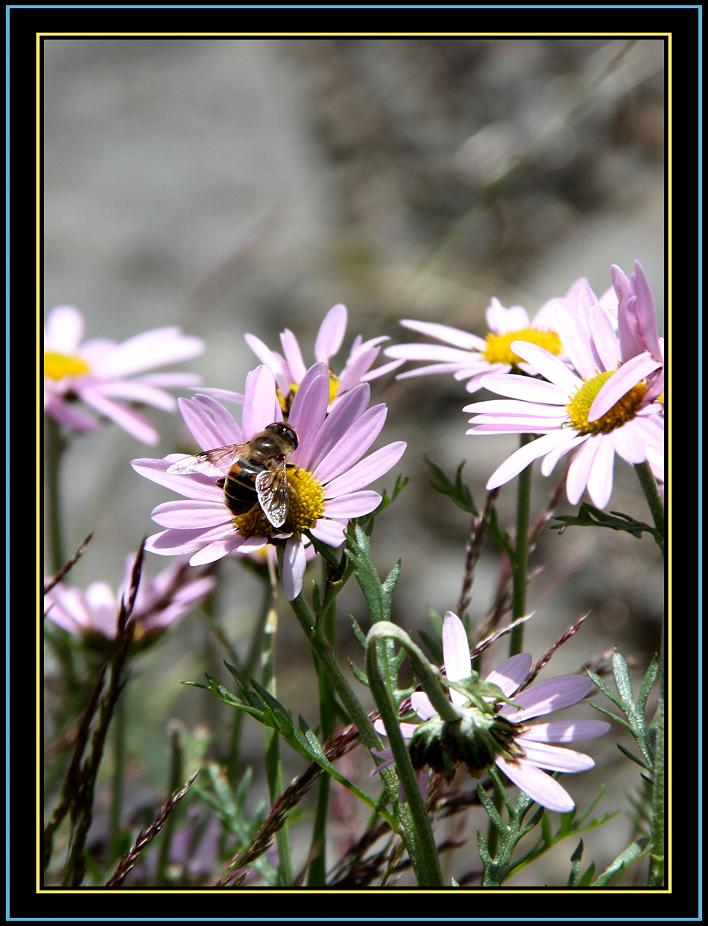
(491, 809)
(358, 632)
(378, 595)
(587, 876)
(498, 534)
(650, 677)
(589, 516)
(575, 860)
(432, 645)
(630, 755)
(629, 856)
(457, 491)
(359, 674)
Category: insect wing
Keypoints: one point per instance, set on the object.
(274, 493)
(219, 458)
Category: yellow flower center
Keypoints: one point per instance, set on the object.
(286, 401)
(498, 349)
(305, 506)
(58, 366)
(621, 412)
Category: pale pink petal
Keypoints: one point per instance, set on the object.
(293, 355)
(222, 395)
(525, 426)
(137, 391)
(630, 441)
(330, 532)
(513, 407)
(628, 375)
(125, 417)
(189, 514)
(549, 366)
(215, 550)
(383, 370)
(436, 352)
(580, 468)
(68, 607)
(260, 406)
(544, 318)
(512, 673)
(566, 731)
(545, 697)
(501, 319)
(171, 380)
(478, 379)
(353, 505)
(521, 458)
(600, 478)
(526, 389)
(604, 338)
(575, 336)
(422, 705)
(209, 422)
(407, 730)
(294, 563)
(357, 367)
(454, 336)
(177, 542)
(308, 410)
(353, 444)
(331, 334)
(456, 652)
(345, 411)
(195, 485)
(527, 423)
(550, 460)
(65, 413)
(64, 329)
(149, 350)
(433, 368)
(555, 758)
(367, 470)
(537, 784)
(270, 358)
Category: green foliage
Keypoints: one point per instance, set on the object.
(457, 490)
(589, 516)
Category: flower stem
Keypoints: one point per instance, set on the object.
(651, 492)
(361, 720)
(519, 566)
(175, 780)
(274, 765)
(317, 874)
(54, 446)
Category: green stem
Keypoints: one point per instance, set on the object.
(519, 565)
(357, 715)
(651, 492)
(54, 446)
(317, 874)
(427, 862)
(274, 765)
(656, 863)
(175, 780)
(119, 754)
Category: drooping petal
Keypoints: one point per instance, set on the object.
(537, 784)
(601, 474)
(383, 370)
(407, 730)
(330, 532)
(294, 563)
(512, 673)
(555, 758)
(604, 337)
(367, 470)
(628, 375)
(580, 468)
(566, 731)
(552, 458)
(331, 334)
(553, 694)
(138, 391)
(456, 653)
(210, 423)
(521, 458)
(454, 336)
(215, 550)
(65, 413)
(267, 356)
(173, 542)
(422, 705)
(123, 416)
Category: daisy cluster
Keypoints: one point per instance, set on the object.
(586, 376)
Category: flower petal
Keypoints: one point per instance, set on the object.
(138, 391)
(293, 355)
(194, 485)
(210, 423)
(537, 784)
(571, 325)
(454, 336)
(308, 409)
(600, 478)
(331, 334)
(456, 652)
(566, 731)
(549, 366)
(174, 542)
(604, 337)
(149, 350)
(367, 470)
(216, 550)
(345, 411)
(553, 694)
(521, 458)
(407, 730)
(437, 352)
(186, 514)
(555, 758)
(422, 705)
(580, 467)
(330, 532)
(353, 505)
(294, 563)
(64, 329)
(628, 375)
(353, 444)
(260, 404)
(512, 673)
(123, 416)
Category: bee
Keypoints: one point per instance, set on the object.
(257, 471)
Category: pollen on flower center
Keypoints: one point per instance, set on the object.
(58, 366)
(285, 401)
(305, 506)
(498, 349)
(621, 412)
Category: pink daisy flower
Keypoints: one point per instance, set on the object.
(289, 368)
(473, 358)
(100, 372)
(326, 474)
(531, 749)
(605, 406)
(159, 602)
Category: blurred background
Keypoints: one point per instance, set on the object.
(234, 186)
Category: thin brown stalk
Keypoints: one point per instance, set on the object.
(49, 585)
(146, 836)
(478, 527)
(546, 658)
